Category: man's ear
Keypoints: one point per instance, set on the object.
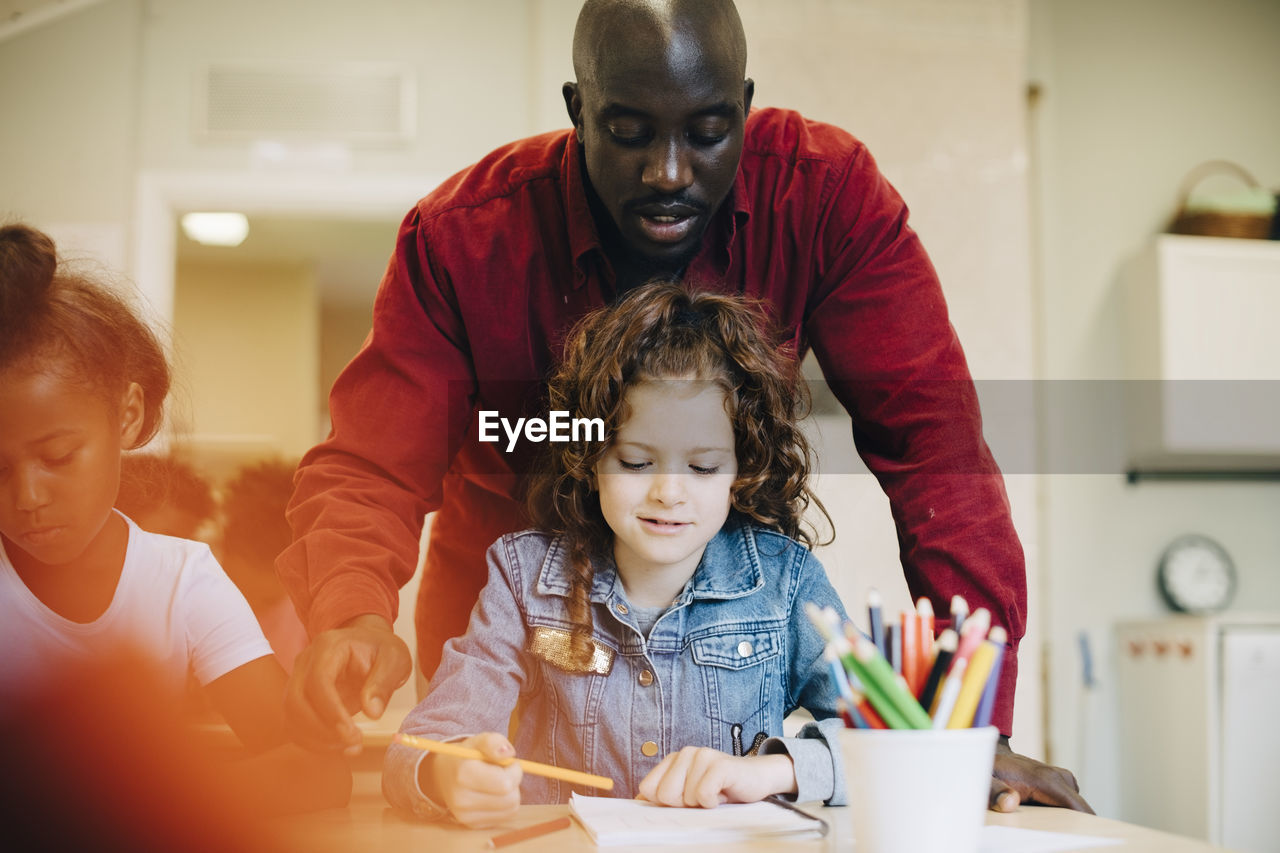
(573, 103)
(748, 89)
(133, 411)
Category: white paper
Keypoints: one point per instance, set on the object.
(610, 821)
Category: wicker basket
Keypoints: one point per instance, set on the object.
(1208, 223)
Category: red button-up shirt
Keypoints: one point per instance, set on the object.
(492, 267)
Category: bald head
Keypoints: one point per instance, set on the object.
(659, 109)
(699, 27)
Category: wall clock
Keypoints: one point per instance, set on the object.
(1196, 575)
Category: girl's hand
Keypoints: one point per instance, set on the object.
(700, 776)
(477, 793)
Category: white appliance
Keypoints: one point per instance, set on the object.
(1200, 727)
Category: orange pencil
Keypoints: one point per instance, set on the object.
(911, 650)
(924, 610)
(550, 771)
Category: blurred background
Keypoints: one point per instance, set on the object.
(1042, 146)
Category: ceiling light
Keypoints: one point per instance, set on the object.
(216, 229)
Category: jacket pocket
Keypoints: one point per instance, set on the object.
(741, 674)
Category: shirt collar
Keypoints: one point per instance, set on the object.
(730, 568)
(583, 236)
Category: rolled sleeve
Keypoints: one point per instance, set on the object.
(815, 752)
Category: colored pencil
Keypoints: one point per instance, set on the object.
(837, 672)
(959, 612)
(924, 611)
(875, 618)
(986, 705)
(537, 829)
(910, 633)
(973, 633)
(975, 679)
(873, 691)
(550, 771)
(893, 639)
(946, 701)
(946, 650)
(868, 713)
(879, 673)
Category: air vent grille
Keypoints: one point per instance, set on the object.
(348, 102)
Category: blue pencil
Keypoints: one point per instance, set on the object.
(875, 617)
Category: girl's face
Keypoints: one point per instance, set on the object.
(60, 452)
(665, 480)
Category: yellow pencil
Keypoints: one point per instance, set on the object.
(975, 679)
(550, 771)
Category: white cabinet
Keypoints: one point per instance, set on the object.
(1202, 324)
(1200, 745)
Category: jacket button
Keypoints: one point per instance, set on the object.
(649, 748)
(646, 678)
(621, 608)
(744, 649)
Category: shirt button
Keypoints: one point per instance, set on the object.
(646, 678)
(649, 748)
(745, 649)
(621, 608)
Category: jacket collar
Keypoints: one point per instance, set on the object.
(730, 568)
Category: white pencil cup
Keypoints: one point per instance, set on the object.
(918, 791)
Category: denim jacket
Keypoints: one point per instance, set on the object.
(731, 658)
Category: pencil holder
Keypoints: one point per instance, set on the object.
(913, 790)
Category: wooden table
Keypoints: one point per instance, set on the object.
(368, 824)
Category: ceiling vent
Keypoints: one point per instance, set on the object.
(352, 102)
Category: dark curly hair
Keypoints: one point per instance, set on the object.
(665, 330)
(52, 319)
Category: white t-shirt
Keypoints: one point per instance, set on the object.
(173, 603)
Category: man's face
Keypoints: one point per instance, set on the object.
(661, 127)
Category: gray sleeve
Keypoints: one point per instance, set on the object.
(478, 682)
(815, 751)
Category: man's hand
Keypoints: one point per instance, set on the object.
(345, 670)
(477, 793)
(701, 776)
(1018, 779)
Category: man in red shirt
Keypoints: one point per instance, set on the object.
(663, 174)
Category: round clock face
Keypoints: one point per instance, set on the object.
(1196, 575)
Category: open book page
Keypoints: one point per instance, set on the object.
(617, 821)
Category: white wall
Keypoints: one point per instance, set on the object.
(1134, 95)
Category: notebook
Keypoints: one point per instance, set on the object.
(611, 821)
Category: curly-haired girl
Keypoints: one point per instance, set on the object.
(651, 628)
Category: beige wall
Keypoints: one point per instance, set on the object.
(1134, 95)
(247, 349)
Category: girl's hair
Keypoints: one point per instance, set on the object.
(658, 331)
(61, 321)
